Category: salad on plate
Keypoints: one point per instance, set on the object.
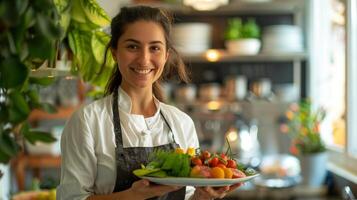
(194, 167)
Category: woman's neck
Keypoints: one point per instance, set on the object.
(142, 101)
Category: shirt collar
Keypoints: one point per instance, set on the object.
(125, 102)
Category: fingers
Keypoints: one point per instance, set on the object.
(219, 192)
(235, 186)
(148, 189)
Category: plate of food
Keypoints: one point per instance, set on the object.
(194, 168)
(198, 182)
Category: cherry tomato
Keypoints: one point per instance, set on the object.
(205, 155)
(196, 161)
(214, 162)
(224, 157)
(231, 164)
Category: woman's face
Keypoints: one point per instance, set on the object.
(141, 54)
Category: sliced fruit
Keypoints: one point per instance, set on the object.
(200, 172)
(228, 173)
(217, 172)
(237, 173)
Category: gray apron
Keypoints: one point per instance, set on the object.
(128, 159)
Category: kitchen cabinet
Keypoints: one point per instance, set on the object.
(281, 68)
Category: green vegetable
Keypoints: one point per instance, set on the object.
(177, 167)
(236, 29)
(160, 174)
(170, 162)
(145, 171)
(185, 169)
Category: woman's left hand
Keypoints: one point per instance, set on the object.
(208, 193)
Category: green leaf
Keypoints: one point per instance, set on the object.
(77, 12)
(4, 113)
(160, 174)
(44, 81)
(8, 144)
(33, 99)
(29, 18)
(37, 45)
(95, 13)
(13, 73)
(4, 158)
(19, 110)
(99, 43)
(145, 171)
(34, 136)
(47, 27)
(19, 102)
(80, 43)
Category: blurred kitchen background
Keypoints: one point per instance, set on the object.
(249, 61)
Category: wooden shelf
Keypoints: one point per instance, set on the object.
(268, 7)
(62, 113)
(34, 162)
(261, 57)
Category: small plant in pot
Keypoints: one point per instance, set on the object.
(242, 38)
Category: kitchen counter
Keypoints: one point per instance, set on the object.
(250, 191)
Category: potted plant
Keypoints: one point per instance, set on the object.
(31, 33)
(86, 39)
(302, 124)
(242, 38)
(28, 38)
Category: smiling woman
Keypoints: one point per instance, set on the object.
(105, 141)
(142, 54)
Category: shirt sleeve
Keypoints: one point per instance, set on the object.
(189, 192)
(78, 165)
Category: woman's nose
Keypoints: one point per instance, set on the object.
(144, 57)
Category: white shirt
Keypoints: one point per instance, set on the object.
(88, 143)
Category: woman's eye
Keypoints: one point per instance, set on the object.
(132, 46)
(155, 48)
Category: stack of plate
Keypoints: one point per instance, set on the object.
(282, 38)
(192, 38)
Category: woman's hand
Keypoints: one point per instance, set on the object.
(208, 193)
(143, 189)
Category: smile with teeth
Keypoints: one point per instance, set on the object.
(142, 71)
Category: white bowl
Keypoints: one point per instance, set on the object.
(248, 46)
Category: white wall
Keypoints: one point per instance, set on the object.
(112, 7)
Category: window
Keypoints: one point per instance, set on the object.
(333, 78)
(352, 78)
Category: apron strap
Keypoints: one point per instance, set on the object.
(116, 123)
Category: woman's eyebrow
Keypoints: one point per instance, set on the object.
(138, 42)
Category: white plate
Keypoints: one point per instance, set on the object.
(214, 182)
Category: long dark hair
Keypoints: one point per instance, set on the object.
(174, 66)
